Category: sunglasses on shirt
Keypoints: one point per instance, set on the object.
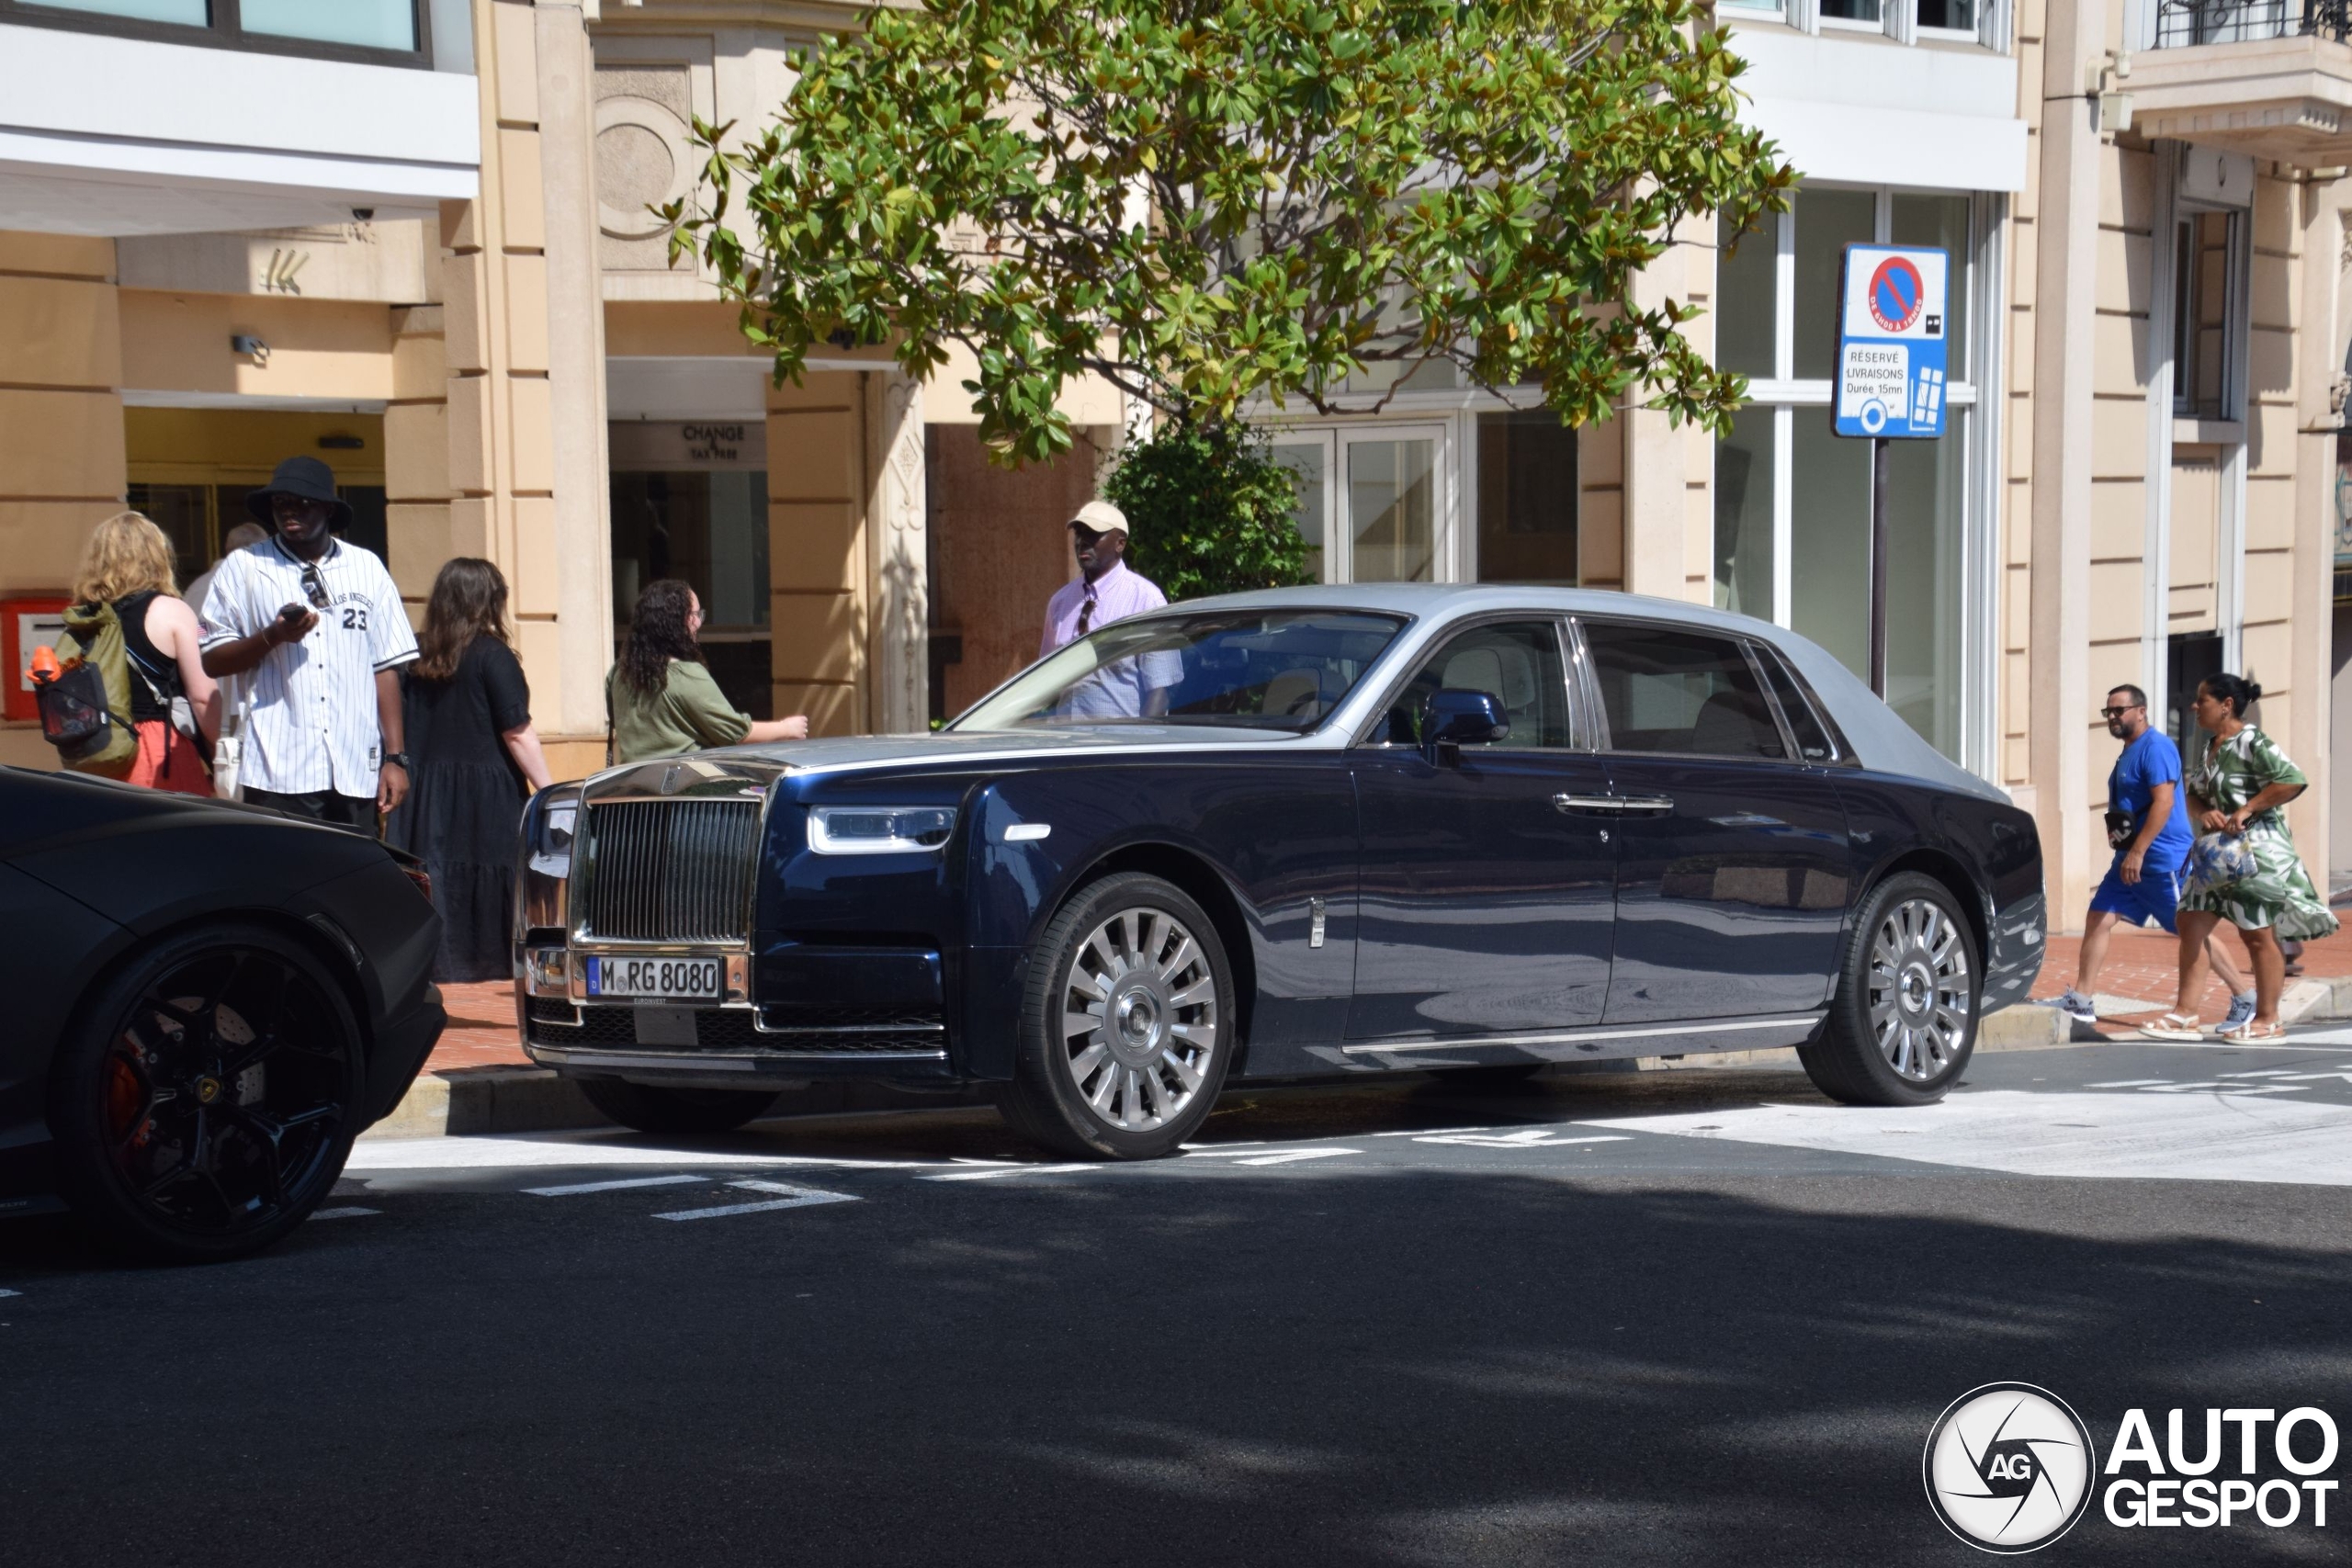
(314, 586)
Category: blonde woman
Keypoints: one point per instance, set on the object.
(128, 564)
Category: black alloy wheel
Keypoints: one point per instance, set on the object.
(1903, 1022)
(208, 1098)
(1126, 1023)
(676, 1113)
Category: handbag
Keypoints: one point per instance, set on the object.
(2121, 825)
(2217, 861)
(228, 754)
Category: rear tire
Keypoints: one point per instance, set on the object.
(676, 1112)
(206, 1099)
(1127, 1022)
(1903, 1023)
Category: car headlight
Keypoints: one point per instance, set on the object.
(879, 829)
(550, 823)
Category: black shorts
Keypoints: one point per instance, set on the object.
(355, 812)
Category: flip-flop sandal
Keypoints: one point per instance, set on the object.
(2251, 1033)
(2174, 1026)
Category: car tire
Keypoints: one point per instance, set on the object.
(1140, 955)
(1903, 1022)
(204, 1099)
(676, 1112)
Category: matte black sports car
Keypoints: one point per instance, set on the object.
(206, 1004)
(1276, 835)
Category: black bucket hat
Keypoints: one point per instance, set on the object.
(305, 476)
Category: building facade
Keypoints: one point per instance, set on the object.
(419, 246)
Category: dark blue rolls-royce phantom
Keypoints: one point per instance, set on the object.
(1312, 831)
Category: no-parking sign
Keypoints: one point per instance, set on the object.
(1891, 342)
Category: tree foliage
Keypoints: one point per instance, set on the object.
(1212, 510)
(1213, 201)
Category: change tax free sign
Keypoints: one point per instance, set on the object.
(1891, 320)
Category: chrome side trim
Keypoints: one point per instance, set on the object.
(708, 1062)
(1579, 1036)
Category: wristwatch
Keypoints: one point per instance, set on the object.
(398, 759)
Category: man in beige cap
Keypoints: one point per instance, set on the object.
(1105, 591)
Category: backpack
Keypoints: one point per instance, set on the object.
(86, 711)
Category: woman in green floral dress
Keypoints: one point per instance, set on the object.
(2236, 789)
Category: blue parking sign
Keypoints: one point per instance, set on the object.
(1891, 316)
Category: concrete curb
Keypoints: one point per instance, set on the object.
(462, 1101)
(472, 1101)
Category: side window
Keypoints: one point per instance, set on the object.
(1813, 737)
(1664, 689)
(1518, 662)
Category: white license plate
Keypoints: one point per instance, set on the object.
(692, 979)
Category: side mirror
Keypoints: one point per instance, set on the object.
(1453, 718)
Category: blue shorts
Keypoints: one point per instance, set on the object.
(2155, 897)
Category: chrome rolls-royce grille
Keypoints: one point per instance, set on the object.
(670, 869)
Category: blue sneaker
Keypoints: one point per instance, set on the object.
(2076, 1006)
(2240, 1009)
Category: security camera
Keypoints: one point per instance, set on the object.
(364, 214)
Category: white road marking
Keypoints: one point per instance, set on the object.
(520, 1151)
(1426, 1131)
(984, 1173)
(1295, 1156)
(2216, 1137)
(580, 1187)
(1526, 1138)
(351, 1213)
(795, 1198)
(2125, 1083)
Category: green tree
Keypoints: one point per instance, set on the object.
(1209, 202)
(1213, 510)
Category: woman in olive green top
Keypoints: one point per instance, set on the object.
(661, 697)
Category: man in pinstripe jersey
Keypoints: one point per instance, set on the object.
(320, 624)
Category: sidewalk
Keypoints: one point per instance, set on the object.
(2144, 966)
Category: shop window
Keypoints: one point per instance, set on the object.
(369, 24)
(1527, 499)
(1948, 16)
(2204, 283)
(1793, 501)
(181, 13)
(709, 530)
(1392, 506)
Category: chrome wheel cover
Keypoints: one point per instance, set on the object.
(1919, 983)
(1139, 1023)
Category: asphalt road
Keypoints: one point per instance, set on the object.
(1679, 1318)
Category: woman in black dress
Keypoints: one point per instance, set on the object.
(471, 752)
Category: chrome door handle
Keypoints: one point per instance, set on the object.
(1645, 803)
(1588, 803)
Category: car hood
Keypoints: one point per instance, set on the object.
(736, 769)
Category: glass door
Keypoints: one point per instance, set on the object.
(1373, 501)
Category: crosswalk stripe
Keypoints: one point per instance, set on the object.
(795, 1198)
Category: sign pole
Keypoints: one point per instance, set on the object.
(1878, 567)
(1891, 366)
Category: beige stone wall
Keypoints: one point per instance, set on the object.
(817, 550)
(61, 422)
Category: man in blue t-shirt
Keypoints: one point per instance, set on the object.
(2148, 824)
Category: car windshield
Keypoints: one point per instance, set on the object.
(1281, 670)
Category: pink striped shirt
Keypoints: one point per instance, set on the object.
(1117, 595)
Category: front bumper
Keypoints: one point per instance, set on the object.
(825, 1012)
(400, 1048)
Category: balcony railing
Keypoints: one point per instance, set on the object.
(2181, 23)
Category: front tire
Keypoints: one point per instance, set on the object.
(1903, 1023)
(206, 1097)
(676, 1113)
(1127, 1022)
